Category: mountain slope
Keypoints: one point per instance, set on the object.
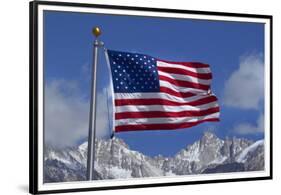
(114, 159)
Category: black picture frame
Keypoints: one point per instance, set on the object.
(33, 95)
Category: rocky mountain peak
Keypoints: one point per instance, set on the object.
(83, 147)
(114, 159)
(119, 142)
(209, 138)
(209, 135)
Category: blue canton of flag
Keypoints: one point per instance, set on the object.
(133, 72)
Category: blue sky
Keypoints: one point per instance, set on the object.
(233, 49)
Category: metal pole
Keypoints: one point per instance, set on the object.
(92, 115)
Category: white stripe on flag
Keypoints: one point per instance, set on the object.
(185, 78)
(181, 89)
(165, 120)
(158, 95)
(147, 108)
(195, 70)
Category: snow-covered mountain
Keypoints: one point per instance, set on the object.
(114, 159)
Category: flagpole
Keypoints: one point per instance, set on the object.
(92, 115)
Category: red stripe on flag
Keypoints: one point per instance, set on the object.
(176, 93)
(163, 126)
(181, 83)
(161, 114)
(188, 64)
(158, 101)
(185, 72)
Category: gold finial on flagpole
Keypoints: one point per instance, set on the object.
(96, 31)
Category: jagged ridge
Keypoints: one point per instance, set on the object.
(114, 159)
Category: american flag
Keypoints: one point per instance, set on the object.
(154, 94)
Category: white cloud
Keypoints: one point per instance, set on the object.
(247, 128)
(67, 114)
(245, 87)
(86, 71)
